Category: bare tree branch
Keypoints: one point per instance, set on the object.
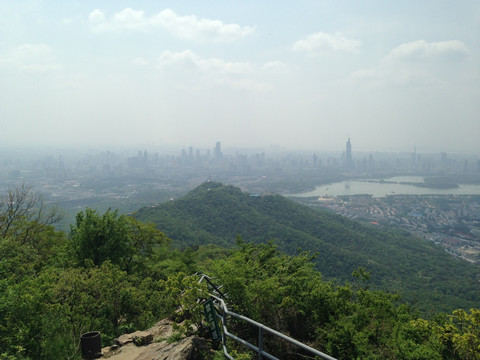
(23, 214)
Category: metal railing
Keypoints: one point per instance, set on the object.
(223, 313)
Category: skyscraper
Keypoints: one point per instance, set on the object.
(217, 152)
(348, 155)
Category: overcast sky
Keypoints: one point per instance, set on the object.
(391, 75)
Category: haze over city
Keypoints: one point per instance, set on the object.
(393, 76)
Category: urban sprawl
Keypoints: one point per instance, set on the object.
(129, 179)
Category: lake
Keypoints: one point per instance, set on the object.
(392, 186)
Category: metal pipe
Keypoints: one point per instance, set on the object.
(260, 343)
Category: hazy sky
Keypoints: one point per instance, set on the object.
(392, 75)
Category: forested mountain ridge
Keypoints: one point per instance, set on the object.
(114, 274)
(422, 272)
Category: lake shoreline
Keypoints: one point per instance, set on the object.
(403, 185)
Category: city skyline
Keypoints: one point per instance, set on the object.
(394, 76)
(344, 152)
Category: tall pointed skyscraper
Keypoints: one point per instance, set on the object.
(348, 155)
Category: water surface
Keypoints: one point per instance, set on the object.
(390, 186)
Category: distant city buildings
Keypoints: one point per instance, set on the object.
(450, 221)
(232, 163)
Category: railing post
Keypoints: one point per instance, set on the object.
(224, 321)
(260, 343)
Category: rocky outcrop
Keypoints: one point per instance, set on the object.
(153, 344)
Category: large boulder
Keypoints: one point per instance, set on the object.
(190, 348)
(152, 344)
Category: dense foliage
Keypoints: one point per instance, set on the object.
(347, 321)
(421, 271)
(115, 274)
(111, 274)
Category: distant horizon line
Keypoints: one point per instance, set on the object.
(178, 147)
(224, 146)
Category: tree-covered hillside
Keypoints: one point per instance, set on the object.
(214, 214)
(114, 274)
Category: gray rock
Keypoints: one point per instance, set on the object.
(154, 345)
(142, 338)
(189, 348)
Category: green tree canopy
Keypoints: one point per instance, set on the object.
(100, 237)
(118, 238)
